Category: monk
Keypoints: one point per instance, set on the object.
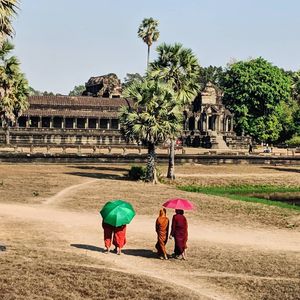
(119, 239)
(162, 230)
(108, 232)
(179, 231)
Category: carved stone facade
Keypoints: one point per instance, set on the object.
(107, 86)
(64, 120)
(85, 120)
(207, 123)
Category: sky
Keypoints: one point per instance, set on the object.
(62, 43)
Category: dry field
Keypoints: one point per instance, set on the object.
(49, 221)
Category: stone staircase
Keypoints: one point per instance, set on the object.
(218, 142)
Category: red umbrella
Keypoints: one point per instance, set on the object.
(179, 203)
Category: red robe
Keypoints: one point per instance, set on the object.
(108, 232)
(180, 233)
(119, 239)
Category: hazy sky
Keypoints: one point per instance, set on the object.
(61, 43)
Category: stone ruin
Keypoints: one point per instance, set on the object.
(107, 86)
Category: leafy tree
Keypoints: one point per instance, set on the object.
(130, 77)
(77, 91)
(255, 91)
(148, 33)
(8, 10)
(14, 89)
(178, 67)
(152, 119)
(211, 74)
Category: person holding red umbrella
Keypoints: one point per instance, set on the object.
(179, 230)
(179, 227)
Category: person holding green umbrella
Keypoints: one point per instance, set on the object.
(116, 213)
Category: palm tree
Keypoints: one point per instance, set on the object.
(179, 67)
(149, 33)
(152, 119)
(8, 9)
(14, 89)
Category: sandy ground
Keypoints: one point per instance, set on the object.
(226, 260)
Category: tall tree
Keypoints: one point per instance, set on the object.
(178, 67)
(8, 9)
(254, 91)
(149, 33)
(211, 74)
(14, 89)
(152, 119)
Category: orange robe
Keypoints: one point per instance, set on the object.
(162, 230)
(119, 239)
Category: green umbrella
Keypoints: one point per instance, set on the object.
(117, 213)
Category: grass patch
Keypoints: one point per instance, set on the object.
(241, 192)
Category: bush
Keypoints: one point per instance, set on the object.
(137, 173)
(294, 141)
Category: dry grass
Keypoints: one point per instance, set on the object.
(38, 265)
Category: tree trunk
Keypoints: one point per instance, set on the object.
(151, 164)
(148, 57)
(7, 133)
(171, 167)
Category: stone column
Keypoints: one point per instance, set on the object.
(196, 123)
(108, 123)
(40, 122)
(119, 125)
(206, 123)
(98, 123)
(63, 123)
(51, 122)
(27, 122)
(86, 125)
(231, 124)
(74, 123)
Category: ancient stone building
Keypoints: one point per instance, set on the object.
(207, 123)
(64, 120)
(93, 120)
(107, 86)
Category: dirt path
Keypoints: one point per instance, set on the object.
(82, 233)
(60, 195)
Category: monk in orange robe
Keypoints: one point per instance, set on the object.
(108, 232)
(119, 239)
(162, 230)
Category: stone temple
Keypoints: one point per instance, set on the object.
(92, 119)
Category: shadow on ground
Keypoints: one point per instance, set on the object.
(283, 169)
(88, 247)
(140, 252)
(102, 168)
(99, 175)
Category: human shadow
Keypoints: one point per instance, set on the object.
(291, 170)
(88, 247)
(140, 252)
(99, 175)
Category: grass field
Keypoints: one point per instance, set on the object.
(49, 219)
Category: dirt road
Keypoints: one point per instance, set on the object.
(82, 232)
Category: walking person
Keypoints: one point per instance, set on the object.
(119, 238)
(162, 230)
(108, 233)
(179, 230)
